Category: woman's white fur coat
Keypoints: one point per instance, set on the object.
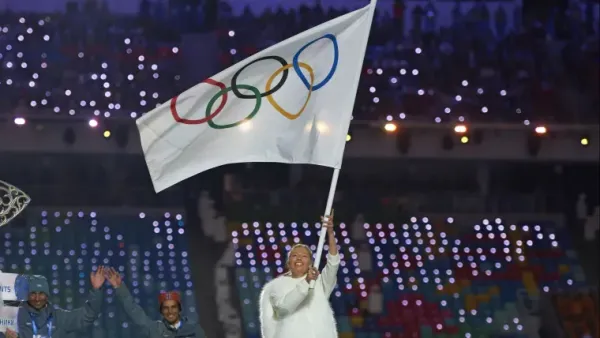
(290, 309)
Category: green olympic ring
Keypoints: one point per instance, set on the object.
(218, 95)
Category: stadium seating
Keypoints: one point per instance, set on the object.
(438, 279)
(150, 251)
(470, 70)
(95, 68)
(122, 66)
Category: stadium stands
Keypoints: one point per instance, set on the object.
(438, 279)
(114, 66)
(150, 250)
(62, 65)
(478, 68)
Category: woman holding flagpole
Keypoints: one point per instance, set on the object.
(290, 306)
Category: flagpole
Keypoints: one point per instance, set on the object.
(336, 171)
(328, 206)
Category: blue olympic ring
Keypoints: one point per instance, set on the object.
(336, 55)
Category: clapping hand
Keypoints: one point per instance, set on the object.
(114, 278)
(97, 277)
(11, 334)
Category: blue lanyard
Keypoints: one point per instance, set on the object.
(35, 328)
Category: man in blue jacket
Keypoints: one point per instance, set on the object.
(37, 318)
(172, 324)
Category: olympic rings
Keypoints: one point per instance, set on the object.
(310, 90)
(224, 92)
(234, 84)
(269, 88)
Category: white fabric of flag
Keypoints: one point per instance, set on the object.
(291, 103)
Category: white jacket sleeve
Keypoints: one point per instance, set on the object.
(268, 325)
(329, 275)
(286, 301)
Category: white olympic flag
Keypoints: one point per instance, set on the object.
(291, 103)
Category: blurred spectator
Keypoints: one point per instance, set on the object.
(375, 301)
(581, 208)
(365, 260)
(592, 225)
(358, 231)
(579, 313)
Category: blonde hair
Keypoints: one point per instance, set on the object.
(299, 245)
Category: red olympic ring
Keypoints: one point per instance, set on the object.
(205, 119)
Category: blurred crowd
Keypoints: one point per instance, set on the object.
(85, 61)
(487, 64)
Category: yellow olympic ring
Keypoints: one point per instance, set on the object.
(275, 105)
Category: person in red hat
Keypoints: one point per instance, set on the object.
(170, 306)
(171, 325)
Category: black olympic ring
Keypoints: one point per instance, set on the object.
(234, 85)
